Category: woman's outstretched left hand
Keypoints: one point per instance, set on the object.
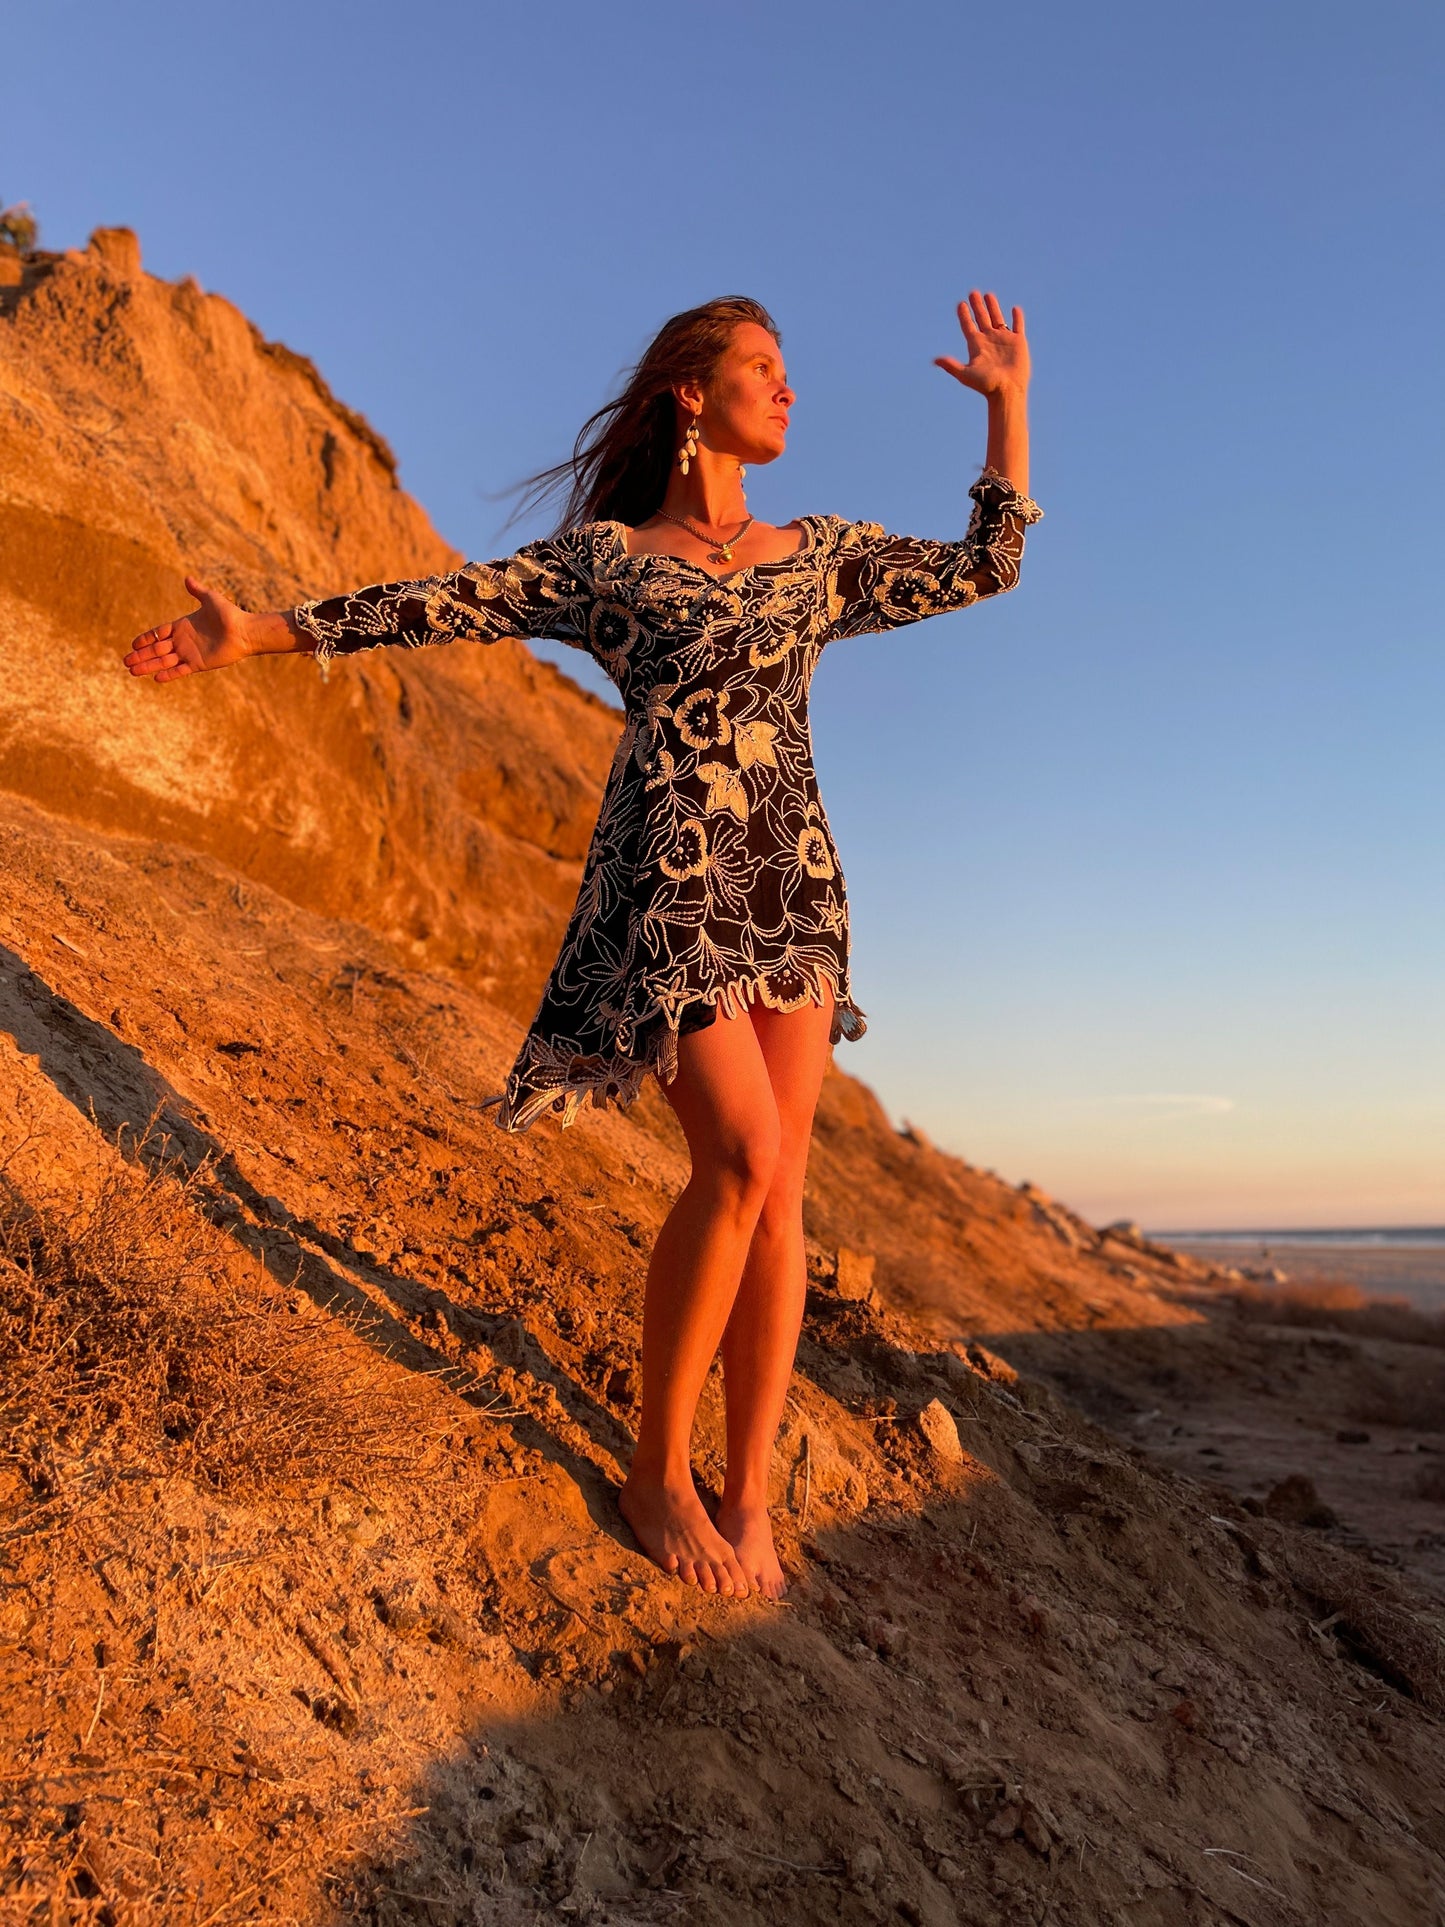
(998, 355)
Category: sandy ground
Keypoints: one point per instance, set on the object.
(1044, 1662)
(1253, 1404)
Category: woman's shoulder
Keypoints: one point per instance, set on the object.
(577, 552)
(586, 534)
(588, 544)
(842, 532)
(576, 538)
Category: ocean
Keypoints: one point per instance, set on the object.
(1388, 1261)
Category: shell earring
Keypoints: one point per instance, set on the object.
(687, 454)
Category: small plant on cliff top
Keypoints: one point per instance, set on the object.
(19, 226)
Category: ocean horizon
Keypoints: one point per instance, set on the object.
(1428, 1237)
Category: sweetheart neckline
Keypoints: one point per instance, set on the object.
(666, 555)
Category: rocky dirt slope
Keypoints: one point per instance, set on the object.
(412, 1669)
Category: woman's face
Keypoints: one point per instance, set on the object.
(745, 403)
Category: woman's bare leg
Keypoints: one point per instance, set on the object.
(723, 1098)
(761, 1339)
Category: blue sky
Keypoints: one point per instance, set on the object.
(1144, 859)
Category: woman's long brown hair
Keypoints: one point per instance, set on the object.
(619, 465)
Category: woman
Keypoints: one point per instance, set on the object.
(709, 943)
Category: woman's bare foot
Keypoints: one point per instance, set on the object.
(676, 1534)
(749, 1532)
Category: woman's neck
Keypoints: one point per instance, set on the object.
(710, 494)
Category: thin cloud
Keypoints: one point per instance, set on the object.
(1174, 1103)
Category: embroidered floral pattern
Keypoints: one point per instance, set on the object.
(712, 878)
(813, 851)
(753, 743)
(688, 856)
(612, 630)
(700, 719)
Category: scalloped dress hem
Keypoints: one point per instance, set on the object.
(549, 1080)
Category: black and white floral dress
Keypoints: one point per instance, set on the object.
(712, 878)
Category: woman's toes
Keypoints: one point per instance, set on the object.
(675, 1532)
(750, 1535)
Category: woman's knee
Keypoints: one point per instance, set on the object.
(743, 1161)
(782, 1206)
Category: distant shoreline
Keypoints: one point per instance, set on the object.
(1384, 1261)
(1425, 1237)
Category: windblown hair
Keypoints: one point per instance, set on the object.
(619, 465)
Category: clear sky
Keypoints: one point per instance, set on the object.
(1144, 859)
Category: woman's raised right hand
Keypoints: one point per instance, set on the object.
(210, 637)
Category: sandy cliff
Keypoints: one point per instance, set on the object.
(148, 430)
(314, 1603)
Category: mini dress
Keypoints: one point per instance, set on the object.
(712, 878)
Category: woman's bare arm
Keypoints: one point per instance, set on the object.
(1008, 436)
(276, 634)
(998, 368)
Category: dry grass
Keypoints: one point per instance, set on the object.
(129, 1344)
(126, 1342)
(1341, 1308)
(132, 1342)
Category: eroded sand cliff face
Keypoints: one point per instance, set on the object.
(1027, 1671)
(147, 431)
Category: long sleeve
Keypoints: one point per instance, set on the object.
(536, 592)
(880, 581)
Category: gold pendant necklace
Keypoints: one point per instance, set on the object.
(723, 551)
